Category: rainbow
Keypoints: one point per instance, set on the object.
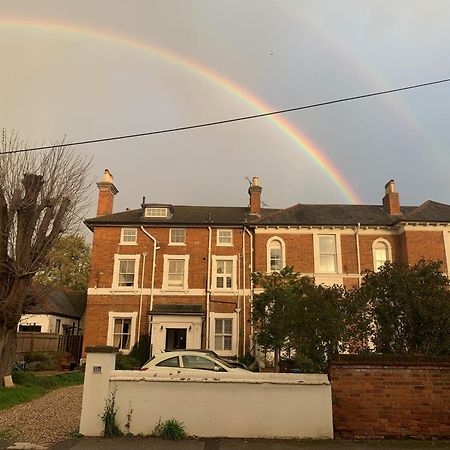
(208, 74)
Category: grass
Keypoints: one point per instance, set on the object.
(29, 386)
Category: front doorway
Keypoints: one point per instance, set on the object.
(175, 339)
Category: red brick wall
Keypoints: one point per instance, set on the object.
(388, 399)
(426, 245)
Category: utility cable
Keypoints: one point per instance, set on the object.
(225, 121)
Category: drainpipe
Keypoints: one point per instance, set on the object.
(243, 295)
(153, 280)
(357, 253)
(251, 283)
(208, 286)
(144, 255)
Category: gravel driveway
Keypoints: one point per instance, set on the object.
(46, 420)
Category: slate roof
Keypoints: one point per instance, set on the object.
(297, 215)
(47, 300)
(429, 212)
(183, 215)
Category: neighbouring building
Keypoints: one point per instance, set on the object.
(183, 273)
(54, 311)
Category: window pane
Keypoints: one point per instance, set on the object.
(197, 362)
(228, 326)
(218, 343)
(126, 272)
(219, 282)
(171, 362)
(224, 236)
(327, 263)
(219, 326)
(122, 333)
(177, 235)
(129, 235)
(227, 342)
(327, 244)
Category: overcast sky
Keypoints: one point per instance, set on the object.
(91, 69)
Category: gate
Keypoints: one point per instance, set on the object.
(71, 344)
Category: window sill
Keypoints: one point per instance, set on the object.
(128, 243)
(176, 244)
(224, 245)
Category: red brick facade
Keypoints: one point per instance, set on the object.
(389, 399)
(353, 252)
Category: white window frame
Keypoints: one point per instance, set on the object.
(170, 236)
(216, 258)
(112, 315)
(212, 329)
(446, 232)
(122, 236)
(224, 244)
(337, 239)
(165, 286)
(156, 212)
(389, 251)
(283, 252)
(115, 281)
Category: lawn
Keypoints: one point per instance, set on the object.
(29, 386)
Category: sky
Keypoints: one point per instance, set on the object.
(99, 68)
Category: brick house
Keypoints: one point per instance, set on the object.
(182, 273)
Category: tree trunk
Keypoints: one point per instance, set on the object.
(276, 360)
(8, 344)
(12, 308)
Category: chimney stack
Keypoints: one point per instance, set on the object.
(255, 196)
(106, 193)
(391, 200)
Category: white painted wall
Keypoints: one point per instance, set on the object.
(47, 322)
(193, 325)
(225, 405)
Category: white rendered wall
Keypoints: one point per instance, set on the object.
(225, 405)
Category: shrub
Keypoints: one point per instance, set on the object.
(141, 350)
(126, 362)
(171, 429)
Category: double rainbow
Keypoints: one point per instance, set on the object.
(205, 72)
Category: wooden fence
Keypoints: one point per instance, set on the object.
(49, 342)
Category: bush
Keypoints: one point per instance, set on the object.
(126, 362)
(37, 361)
(171, 429)
(141, 350)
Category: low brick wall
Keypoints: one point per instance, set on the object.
(391, 399)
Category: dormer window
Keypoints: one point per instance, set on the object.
(156, 212)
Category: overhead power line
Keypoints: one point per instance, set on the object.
(235, 119)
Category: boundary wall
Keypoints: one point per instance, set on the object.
(221, 405)
(391, 399)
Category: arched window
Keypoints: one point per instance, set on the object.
(381, 253)
(275, 255)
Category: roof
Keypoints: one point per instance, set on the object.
(57, 302)
(429, 212)
(297, 215)
(183, 215)
(332, 215)
(169, 309)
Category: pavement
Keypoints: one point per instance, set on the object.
(146, 443)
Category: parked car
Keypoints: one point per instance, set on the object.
(231, 362)
(189, 362)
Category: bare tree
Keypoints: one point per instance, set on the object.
(41, 197)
